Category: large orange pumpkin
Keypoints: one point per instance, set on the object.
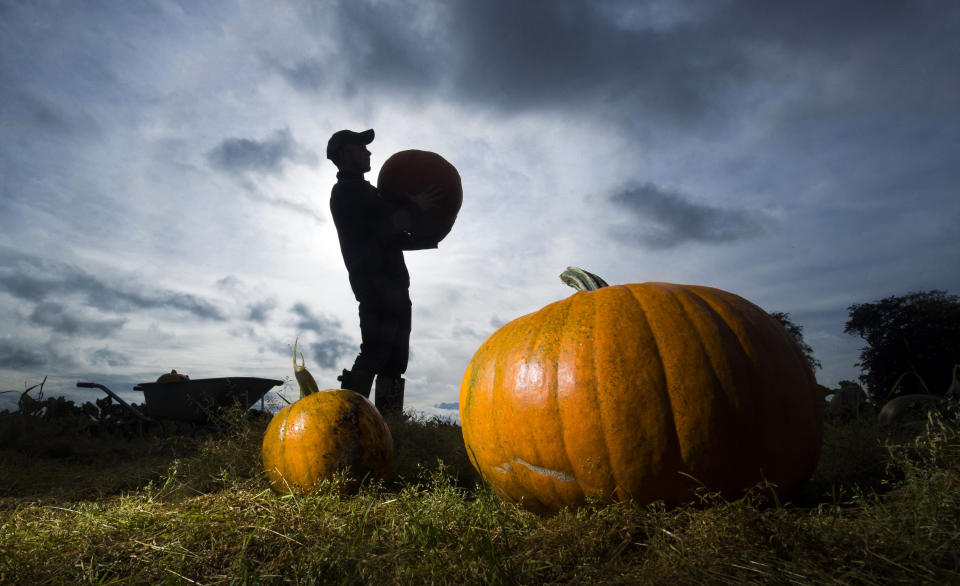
(413, 171)
(640, 391)
(322, 434)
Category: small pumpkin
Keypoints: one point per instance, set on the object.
(640, 391)
(413, 171)
(322, 434)
(173, 377)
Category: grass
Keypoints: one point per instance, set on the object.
(78, 508)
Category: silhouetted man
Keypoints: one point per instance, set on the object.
(373, 234)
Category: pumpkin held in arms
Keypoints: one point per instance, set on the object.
(413, 171)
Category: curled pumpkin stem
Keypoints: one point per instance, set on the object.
(582, 280)
(308, 385)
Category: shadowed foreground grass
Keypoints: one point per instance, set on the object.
(198, 510)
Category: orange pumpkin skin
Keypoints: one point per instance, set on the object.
(624, 390)
(172, 377)
(413, 171)
(324, 433)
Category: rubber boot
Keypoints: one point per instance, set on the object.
(359, 381)
(389, 395)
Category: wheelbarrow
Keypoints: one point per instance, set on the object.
(192, 401)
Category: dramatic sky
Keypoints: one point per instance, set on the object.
(164, 194)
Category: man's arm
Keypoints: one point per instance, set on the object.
(408, 213)
(358, 209)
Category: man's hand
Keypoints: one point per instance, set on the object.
(428, 198)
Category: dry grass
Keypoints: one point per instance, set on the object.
(197, 509)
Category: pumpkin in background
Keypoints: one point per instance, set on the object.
(643, 392)
(173, 377)
(324, 433)
(412, 171)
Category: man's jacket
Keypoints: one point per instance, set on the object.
(373, 234)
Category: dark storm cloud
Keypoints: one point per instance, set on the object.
(239, 155)
(17, 356)
(663, 219)
(824, 26)
(543, 53)
(332, 347)
(22, 355)
(521, 55)
(33, 279)
(448, 406)
(626, 59)
(399, 42)
(518, 55)
(68, 322)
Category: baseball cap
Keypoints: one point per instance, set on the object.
(345, 137)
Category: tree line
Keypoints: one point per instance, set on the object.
(913, 343)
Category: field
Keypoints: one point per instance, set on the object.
(83, 505)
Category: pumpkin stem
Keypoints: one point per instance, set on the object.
(582, 280)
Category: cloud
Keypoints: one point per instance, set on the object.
(230, 284)
(636, 63)
(824, 111)
(329, 353)
(33, 279)
(255, 311)
(660, 219)
(319, 324)
(64, 321)
(241, 157)
(532, 55)
(541, 54)
(300, 209)
(269, 156)
(15, 356)
(107, 357)
(40, 113)
(259, 311)
(19, 355)
(28, 111)
(448, 406)
(460, 331)
(333, 345)
(308, 75)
